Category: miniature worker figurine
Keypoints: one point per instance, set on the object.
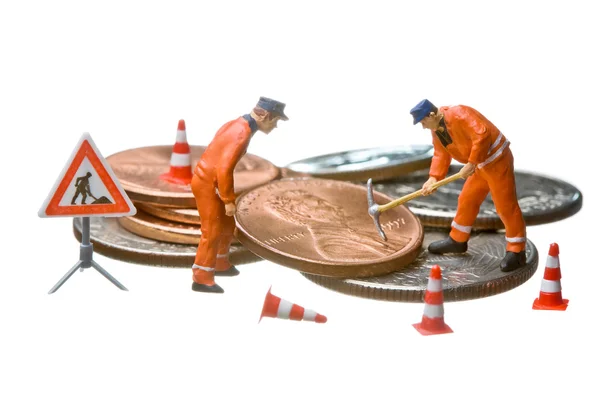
(212, 185)
(462, 133)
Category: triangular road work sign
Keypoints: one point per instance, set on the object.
(86, 187)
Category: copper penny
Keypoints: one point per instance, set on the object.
(139, 170)
(183, 215)
(148, 226)
(112, 240)
(323, 227)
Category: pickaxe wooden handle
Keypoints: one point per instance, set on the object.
(375, 209)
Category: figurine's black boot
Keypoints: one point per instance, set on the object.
(231, 271)
(512, 261)
(198, 287)
(447, 245)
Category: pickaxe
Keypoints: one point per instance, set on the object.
(375, 209)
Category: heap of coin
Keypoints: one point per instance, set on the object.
(471, 275)
(312, 216)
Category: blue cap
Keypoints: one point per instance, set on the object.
(421, 110)
(273, 106)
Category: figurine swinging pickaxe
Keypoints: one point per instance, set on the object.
(375, 209)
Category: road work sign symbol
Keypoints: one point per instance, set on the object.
(87, 187)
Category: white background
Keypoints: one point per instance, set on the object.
(349, 73)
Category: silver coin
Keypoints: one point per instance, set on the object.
(542, 200)
(112, 240)
(360, 165)
(471, 275)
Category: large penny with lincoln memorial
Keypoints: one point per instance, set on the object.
(323, 227)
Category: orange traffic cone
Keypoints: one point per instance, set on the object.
(432, 322)
(181, 159)
(551, 292)
(276, 307)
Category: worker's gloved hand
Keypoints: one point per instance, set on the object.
(467, 170)
(230, 209)
(427, 190)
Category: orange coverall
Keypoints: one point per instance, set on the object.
(476, 140)
(212, 185)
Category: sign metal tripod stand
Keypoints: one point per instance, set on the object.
(86, 252)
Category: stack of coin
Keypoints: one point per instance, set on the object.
(399, 171)
(139, 171)
(312, 215)
(166, 229)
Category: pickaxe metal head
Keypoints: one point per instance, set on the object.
(374, 209)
